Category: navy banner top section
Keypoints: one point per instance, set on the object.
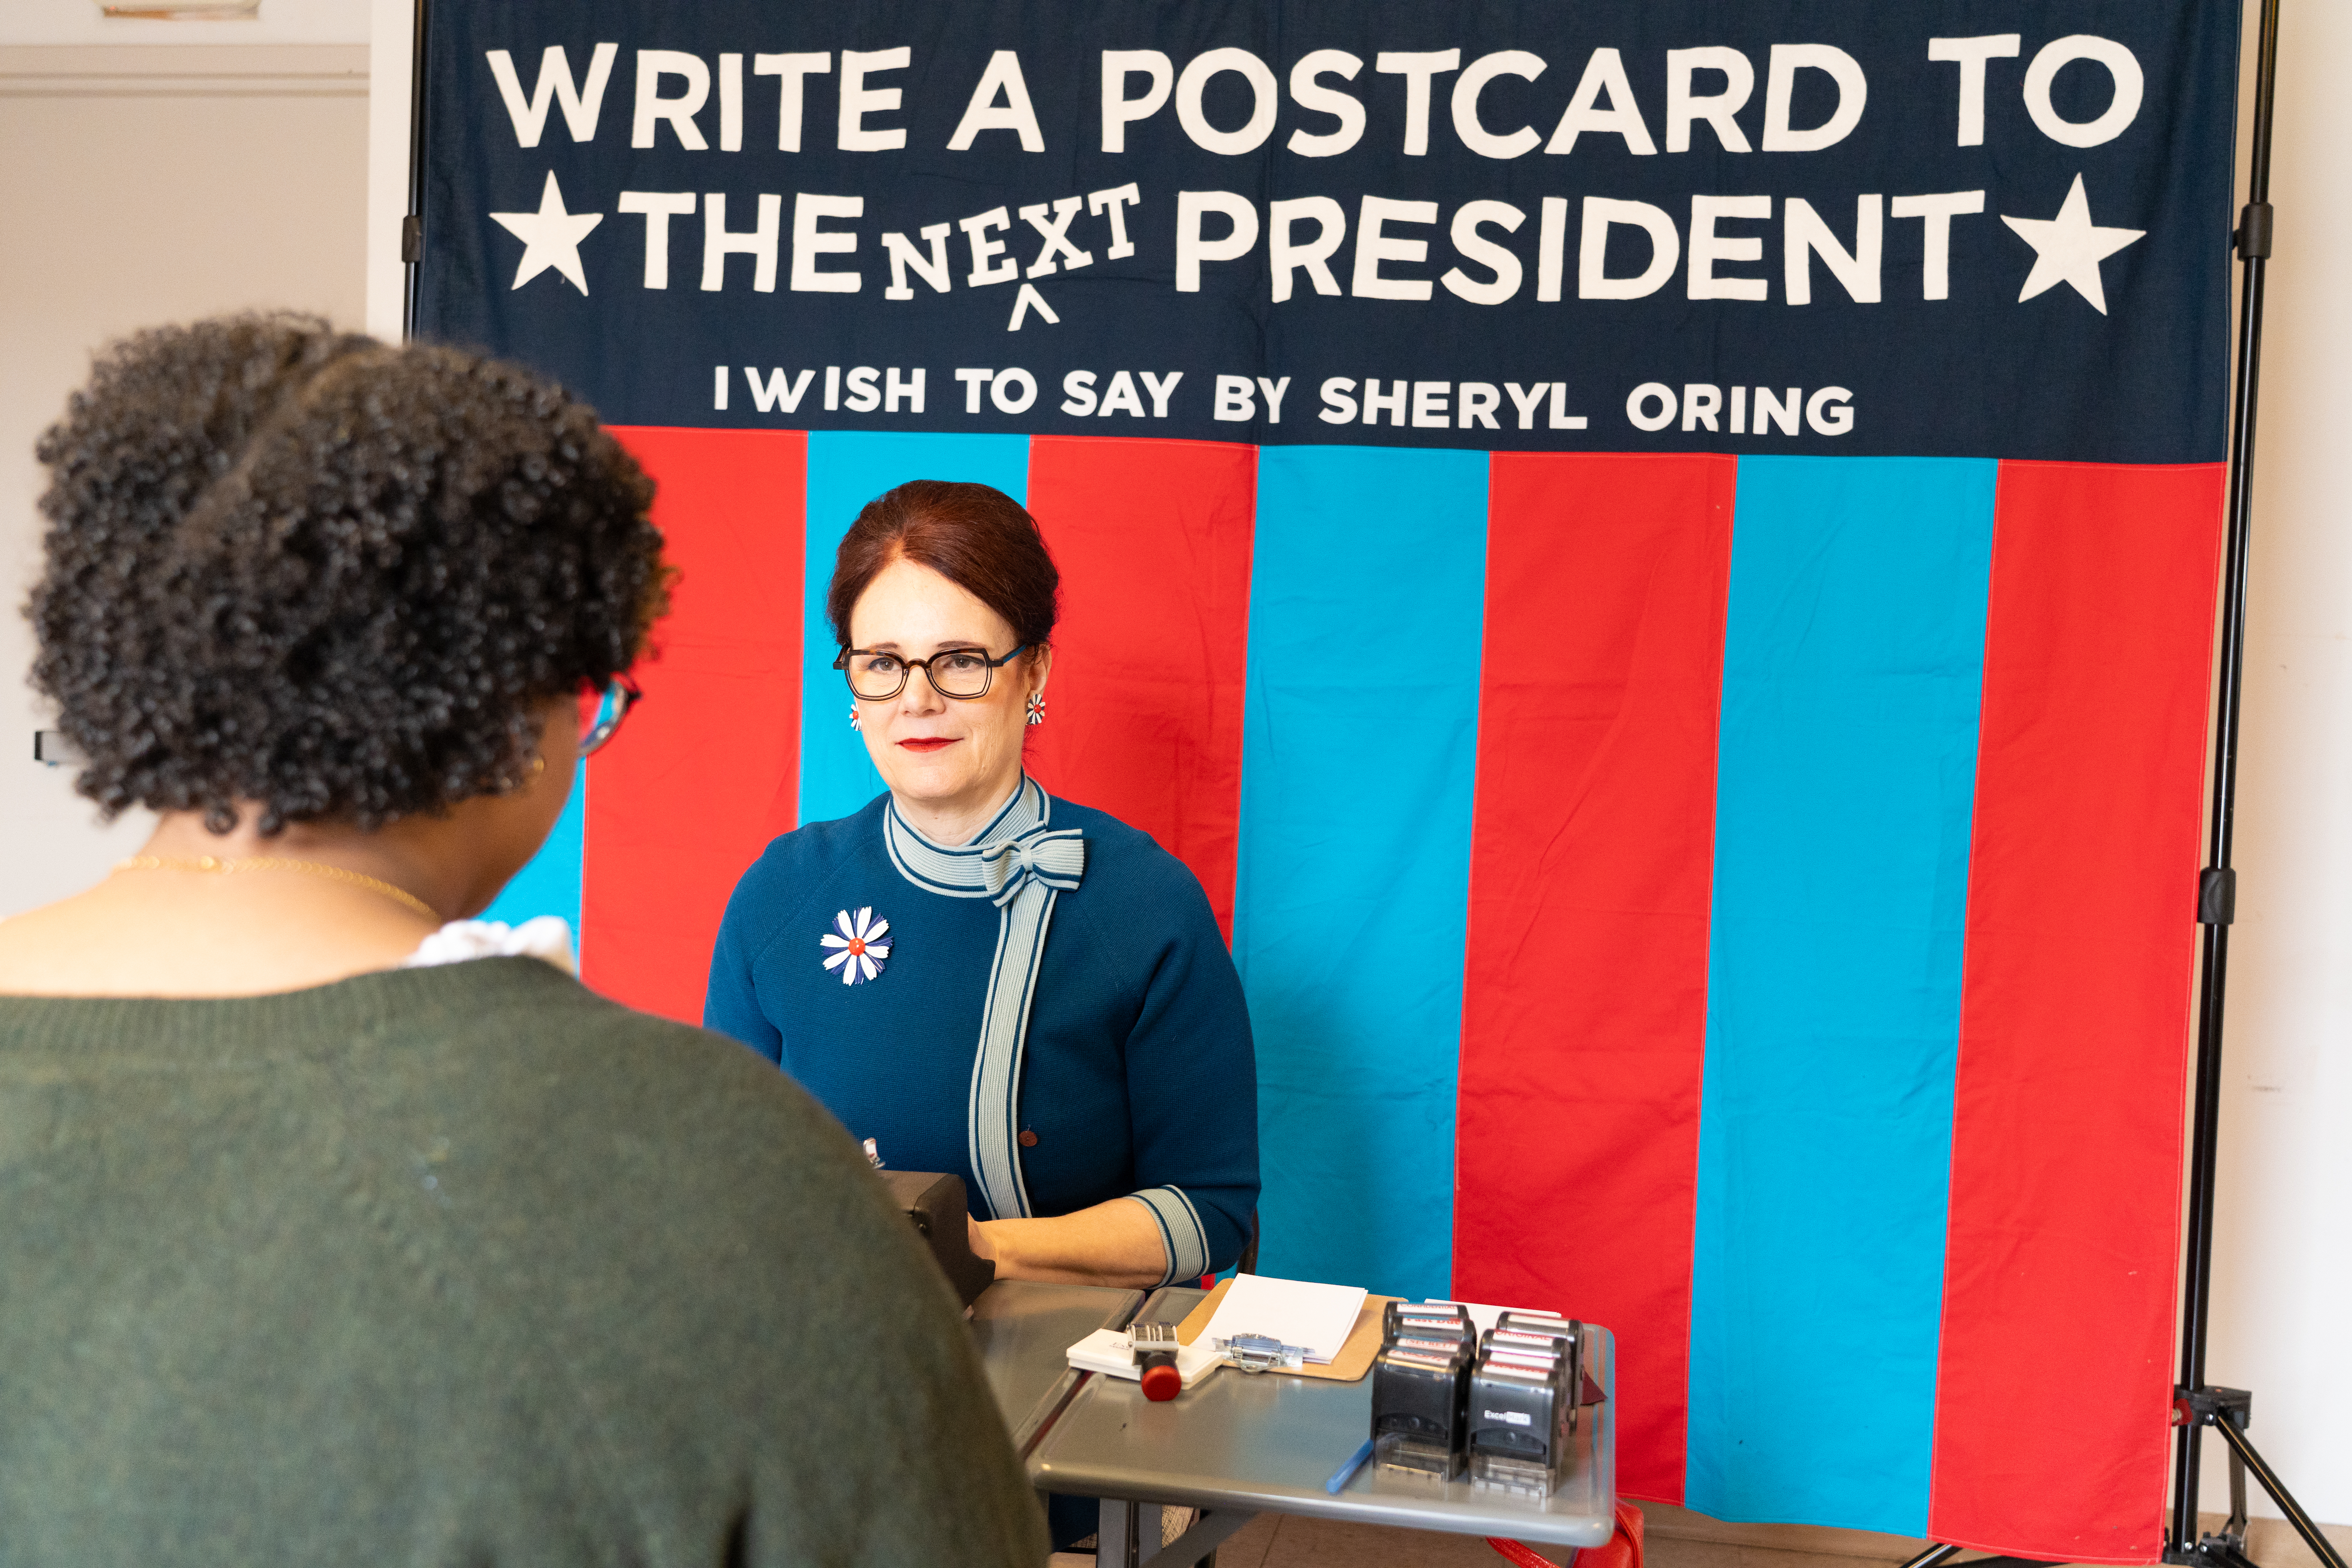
(1974, 227)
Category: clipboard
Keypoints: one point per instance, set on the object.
(1355, 1357)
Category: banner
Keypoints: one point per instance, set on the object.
(1656, 559)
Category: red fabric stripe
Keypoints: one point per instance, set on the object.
(1144, 706)
(2059, 1295)
(706, 771)
(1584, 1009)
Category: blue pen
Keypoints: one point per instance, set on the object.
(1346, 1472)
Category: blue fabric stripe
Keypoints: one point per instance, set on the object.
(549, 883)
(1854, 656)
(1367, 600)
(846, 469)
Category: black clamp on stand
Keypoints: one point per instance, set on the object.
(2229, 1411)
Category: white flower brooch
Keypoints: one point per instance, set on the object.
(859, 949)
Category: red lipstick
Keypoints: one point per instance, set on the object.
(927, 743)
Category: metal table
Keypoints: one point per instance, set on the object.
(1240, 1446)
(1024, 1331)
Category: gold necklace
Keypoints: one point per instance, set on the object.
(222, 865)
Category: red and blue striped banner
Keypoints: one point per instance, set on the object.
(1761, 876)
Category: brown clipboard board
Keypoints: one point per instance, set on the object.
(1355, 1357)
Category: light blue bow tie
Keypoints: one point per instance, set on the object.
(1056, 859)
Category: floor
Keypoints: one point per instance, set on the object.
(1279, 1541)
(1676, 1539)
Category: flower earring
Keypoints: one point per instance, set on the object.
(1036, 706)
(853, 717)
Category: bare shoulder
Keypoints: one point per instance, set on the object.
(39, 948)
(114, 941)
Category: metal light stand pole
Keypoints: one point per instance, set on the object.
(412, 227)
(2197, 1406)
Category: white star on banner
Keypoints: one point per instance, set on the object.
(550, 237)
(2069, 248)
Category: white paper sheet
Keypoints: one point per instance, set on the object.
(1318, 1319)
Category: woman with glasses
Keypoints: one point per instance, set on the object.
(332, 1234)
(979, 977)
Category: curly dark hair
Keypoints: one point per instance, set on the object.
(334, 580)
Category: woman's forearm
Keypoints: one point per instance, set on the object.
(1115, 1243)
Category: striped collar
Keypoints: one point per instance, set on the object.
(956, 871)
(1023, 867)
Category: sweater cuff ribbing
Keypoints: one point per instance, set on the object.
(1181, 1231)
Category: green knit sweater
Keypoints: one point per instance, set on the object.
(463, 1264)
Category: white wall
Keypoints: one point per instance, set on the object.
(147, 181)
(392, 34)
(2283, 1301)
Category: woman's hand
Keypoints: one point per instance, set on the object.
(1114, 1243)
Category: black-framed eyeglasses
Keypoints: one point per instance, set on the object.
(613, 706)
(962, 673)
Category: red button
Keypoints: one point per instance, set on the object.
(1028, 1140)
(1162, 1384)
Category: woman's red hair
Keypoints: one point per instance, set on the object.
(976, 536)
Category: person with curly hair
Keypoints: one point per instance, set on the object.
(341, 1228)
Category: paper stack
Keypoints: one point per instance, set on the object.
(1314, 1319)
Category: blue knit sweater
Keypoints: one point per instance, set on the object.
(1138, 1077)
